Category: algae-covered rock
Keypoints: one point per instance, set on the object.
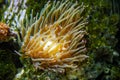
(7, 67)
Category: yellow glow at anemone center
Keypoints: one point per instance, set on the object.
(52, 49)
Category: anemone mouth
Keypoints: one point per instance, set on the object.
(56, 39)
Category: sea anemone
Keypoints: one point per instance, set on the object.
(56, 40)
(5, 32)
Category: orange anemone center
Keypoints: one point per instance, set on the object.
(50, 43)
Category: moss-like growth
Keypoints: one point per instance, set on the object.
(7, 67)
(35, 5)
(101, 40)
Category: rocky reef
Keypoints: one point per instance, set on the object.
(92, 49)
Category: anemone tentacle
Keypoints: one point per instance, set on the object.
(56, 39)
